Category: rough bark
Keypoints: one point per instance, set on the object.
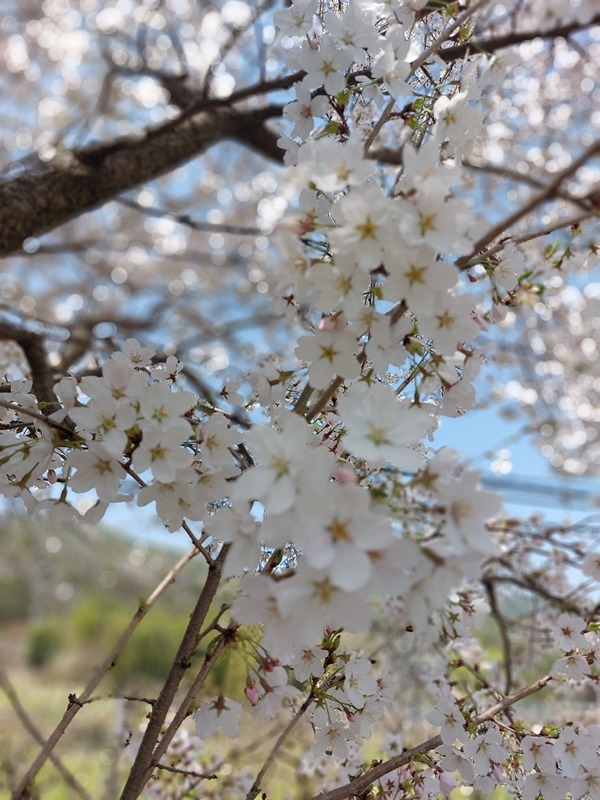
(50, 194)
(76, 181)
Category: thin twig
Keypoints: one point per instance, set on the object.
(184, 219)
(24, 411)
(503, 629)
(548, 193)
(30, 727)
(204, 776)
(255, 788)
(503, 171)
(314, 411)
(528, 237)
(445, 35)
(21, 792)
(491, 45)
(358, 785)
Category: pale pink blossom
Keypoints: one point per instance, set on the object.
(449, 718)
(574, 667)
(331, 354)
(161, 449)
(358, 681)
(310, 662)
(95, 468)
(366, 227)
(379, 427)
(537, 752)
(324, 66)
(568, 632)
(218, 713)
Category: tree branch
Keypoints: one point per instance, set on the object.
(548, 193)
(358, 785)
(255, 788)
(22, 790)
(80, 180)
(144, 759)
(42, 377)
(213, 654)
(27, 723)
(503, 171)
(491, 45)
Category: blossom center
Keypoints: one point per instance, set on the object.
(459, 510)
(367, 229)
(415, 274)
(378, 435)
(339, 530)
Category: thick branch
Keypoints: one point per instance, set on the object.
(492, 44)
(42, 377)
(76, 181)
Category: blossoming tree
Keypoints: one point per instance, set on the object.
(260, 344)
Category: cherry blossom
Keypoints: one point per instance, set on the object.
(310, 663)
(333, 165)
(303, 109)
(384, 438)
(218, 713)
(161, 451)
(484, 750)
(567, 632)
(366, 229)
(95, 468)
(448, 717)
(297, 19)
(276, 479)
(330, 353)
(538, 752)
(324, 65)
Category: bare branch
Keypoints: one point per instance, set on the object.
(185, 219)
(493, 44)
(548, 193)
(22, 790)
(214, 651)
(255, 788)
(29, 726)
(77, 181)
(145, 757)
(503, 171)
(42, 377)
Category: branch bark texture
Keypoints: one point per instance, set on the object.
(76, 181)
(142, 766)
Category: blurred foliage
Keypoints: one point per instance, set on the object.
(15, 599)
(44, 641)
(146, 658)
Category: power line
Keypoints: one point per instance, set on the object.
(528, 491)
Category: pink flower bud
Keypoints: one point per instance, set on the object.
(344, 475)
(335, 322)
(252, 693)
